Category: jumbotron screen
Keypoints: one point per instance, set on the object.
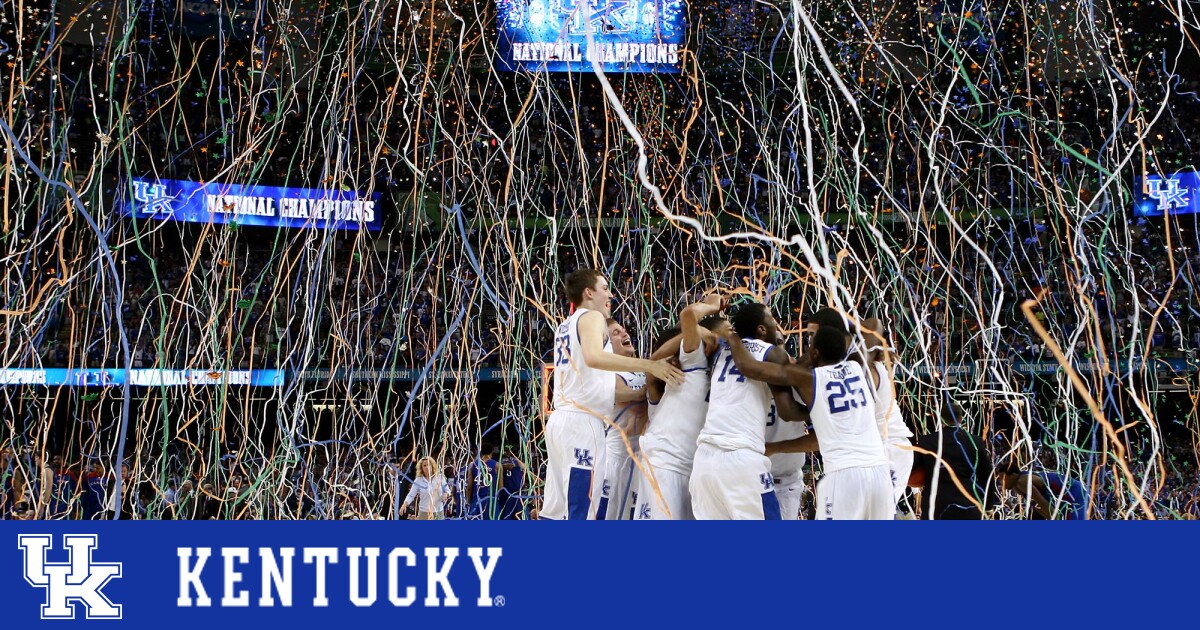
(626, 35)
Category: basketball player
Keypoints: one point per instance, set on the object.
(787, 464)
(731, 476)
(1053, 496)
(953, 468)
(897, 437)
(677, 415)
(584, 396)
(617, 498)
(857, 482)
(892, 429)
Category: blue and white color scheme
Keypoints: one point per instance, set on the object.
(115, 377)
(1156, 195)
(627, 35)
(271, 206)
(501, 574)
(77, 583)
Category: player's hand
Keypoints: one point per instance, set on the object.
(667, 373)
(714, 300)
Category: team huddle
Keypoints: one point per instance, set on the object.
(716, 423)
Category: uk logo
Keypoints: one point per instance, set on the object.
(1174, 196)
(583, 457)
(151, 198)
(768, 482)
(644, 511)
(67, 584)
(607, 17)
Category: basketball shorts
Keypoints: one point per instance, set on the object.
(856, 494)
(575, 466)
(732, 485)
(901, 463)
(670, 500)
(617, 495)
(789, 492)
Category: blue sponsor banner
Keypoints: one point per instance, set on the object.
(627, 35)
(115, 377)
(270, 206)
(348, 574)
(1157, 195)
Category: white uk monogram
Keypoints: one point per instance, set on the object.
(77, 581)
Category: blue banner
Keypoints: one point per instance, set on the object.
(347, 574)
(271, 206)
(627, 35)
(1156, 195)
(115, 377)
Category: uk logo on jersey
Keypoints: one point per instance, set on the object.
(583, 457)
(644, 511)
(77, 581)
(768, 482)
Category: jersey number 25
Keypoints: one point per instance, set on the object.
(845, 395)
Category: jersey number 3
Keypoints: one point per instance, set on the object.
(845, 395)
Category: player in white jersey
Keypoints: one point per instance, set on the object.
(677, 415)
(839, 394)
(731, 476)
(897, 437)
(584, 396)
(618, 494)
(787, 469)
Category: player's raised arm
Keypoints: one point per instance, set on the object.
(591, 340)
(689, 321)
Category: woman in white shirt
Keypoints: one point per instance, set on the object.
(430, 486)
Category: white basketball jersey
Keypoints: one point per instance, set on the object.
(624, 413)
(843, 415)
(887, 411)
(786, 467)
(676, 420)
(739, 408)
(578, 387)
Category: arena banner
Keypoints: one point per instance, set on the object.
(410, 574)
(1158, 195)
(270, 206)
(412, 374)
(627, 35)
(115, 377)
